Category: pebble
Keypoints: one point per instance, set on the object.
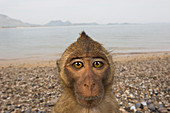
(149, 101)
(143, 103)
(137, 105)
(133, 109)
(163, 110)
(28, 110)
(151, 107)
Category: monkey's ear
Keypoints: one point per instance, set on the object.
(58, 67)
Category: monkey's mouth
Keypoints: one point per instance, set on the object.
(89, 101)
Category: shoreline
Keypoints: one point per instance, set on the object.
(139, 56)
(50, 60)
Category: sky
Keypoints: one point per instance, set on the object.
(77, 11)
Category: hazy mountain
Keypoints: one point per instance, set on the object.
(67, 23)
(6, 21)
(92, 23)
(58, 23)
(121, 23)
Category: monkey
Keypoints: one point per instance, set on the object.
(86, 75)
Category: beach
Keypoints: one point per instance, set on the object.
(141, 83)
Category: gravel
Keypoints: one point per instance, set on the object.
(140, 85)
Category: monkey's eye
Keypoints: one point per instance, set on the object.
(97, 64)
(77, 65)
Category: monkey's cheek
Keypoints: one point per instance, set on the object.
(89, 103)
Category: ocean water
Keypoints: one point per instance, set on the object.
(30, 42)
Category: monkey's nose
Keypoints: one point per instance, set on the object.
(88, 85)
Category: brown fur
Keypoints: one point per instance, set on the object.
(85, 47)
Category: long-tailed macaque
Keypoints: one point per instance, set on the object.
(86, 73)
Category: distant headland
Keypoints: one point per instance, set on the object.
(8, 22)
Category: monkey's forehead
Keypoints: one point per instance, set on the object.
(86, 51)
(88, 55)
(85, 47)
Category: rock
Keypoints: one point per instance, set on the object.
(19, 106)
(133, 109)
(127, 108)
(12, 108)
(137, 105)
(123, 110)
(4, 96)
(156, 93)
(52, 102)
(41, 100)
(149, 101)
(33, 85)
(121, 103)
(123, 69)
(143, 104)
(160, 106)
(151, 107)
(28, 110)
(163, 110)
(146, 99)
(18, 79)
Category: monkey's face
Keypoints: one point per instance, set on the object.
(88, 74)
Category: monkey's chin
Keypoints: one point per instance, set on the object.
(89, 101)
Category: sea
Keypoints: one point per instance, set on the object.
(37, 42)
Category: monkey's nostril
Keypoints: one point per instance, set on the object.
(85, 85)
